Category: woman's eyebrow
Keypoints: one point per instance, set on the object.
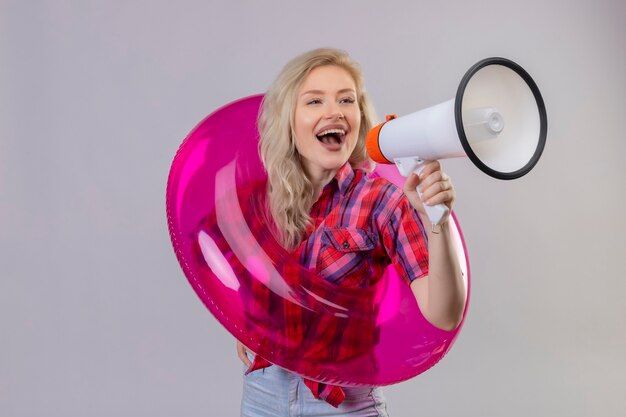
(343, 90)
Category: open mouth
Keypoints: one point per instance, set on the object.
(331, 136)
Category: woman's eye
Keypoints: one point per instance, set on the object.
(314, 101)
(348, 100)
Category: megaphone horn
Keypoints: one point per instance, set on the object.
(497, 119)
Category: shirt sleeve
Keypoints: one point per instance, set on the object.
(405, 241)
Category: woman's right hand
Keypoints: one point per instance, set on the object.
(241, 352)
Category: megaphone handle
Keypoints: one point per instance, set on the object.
(408, 165)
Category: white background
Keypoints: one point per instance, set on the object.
(96, 317)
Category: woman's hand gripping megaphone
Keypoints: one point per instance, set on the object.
(428, 188)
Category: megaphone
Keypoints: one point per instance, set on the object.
(497, 119)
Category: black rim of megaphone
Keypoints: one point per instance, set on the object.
(542, 117)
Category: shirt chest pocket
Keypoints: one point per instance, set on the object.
(345, 255)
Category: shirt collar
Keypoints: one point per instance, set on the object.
(343, 177)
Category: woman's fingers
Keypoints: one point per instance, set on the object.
(437, 188)
(428, 181)
(429, 168)
(443, 197)
(411, 182)
(241, 352)
(434, 185)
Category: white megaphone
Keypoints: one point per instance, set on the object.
(497, 119)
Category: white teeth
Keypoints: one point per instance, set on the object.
(329, 131)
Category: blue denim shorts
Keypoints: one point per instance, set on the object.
(275, 392)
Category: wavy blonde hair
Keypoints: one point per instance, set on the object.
(289, 189)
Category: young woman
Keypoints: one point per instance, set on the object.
(313, 124)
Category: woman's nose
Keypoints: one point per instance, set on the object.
(333, 111)
(334, 115)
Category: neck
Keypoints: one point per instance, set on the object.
(320, 178)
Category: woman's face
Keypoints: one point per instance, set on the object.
(327, 120)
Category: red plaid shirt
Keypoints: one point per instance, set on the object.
(359, 226)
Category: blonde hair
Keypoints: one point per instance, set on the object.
(290, 191)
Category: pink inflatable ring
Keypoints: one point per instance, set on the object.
(252, 285)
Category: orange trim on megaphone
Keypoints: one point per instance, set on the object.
(372, 145)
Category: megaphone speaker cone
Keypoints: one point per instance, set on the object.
(502, 86)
